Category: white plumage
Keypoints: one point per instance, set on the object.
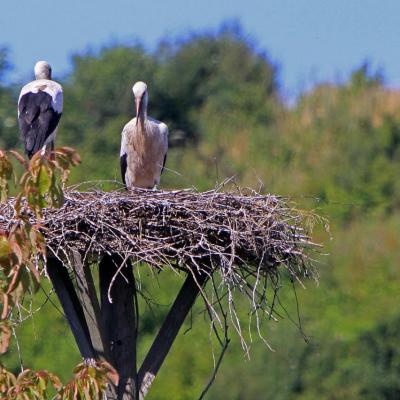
(144, 145)
(40, 107)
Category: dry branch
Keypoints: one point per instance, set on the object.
(179, 228)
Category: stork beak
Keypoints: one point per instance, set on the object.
(138, 102)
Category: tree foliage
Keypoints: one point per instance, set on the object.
(39, 186)
(339, 143)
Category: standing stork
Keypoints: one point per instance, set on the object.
(40, 106)
(144, 145)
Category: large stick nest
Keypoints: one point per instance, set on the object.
(244, 237)
(240, 231)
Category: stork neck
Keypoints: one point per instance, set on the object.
(43, 76)
(142, 119)
(142, 116)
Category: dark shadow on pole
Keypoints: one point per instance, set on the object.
(119, 320)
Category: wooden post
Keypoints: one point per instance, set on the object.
(168, 331)
(65, 291)
(112, 327)
(119, 315)
(90, 304)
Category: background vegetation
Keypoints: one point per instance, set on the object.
(337, 150)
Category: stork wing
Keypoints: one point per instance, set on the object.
(123, 164)
(123, 154)
(37, 120)
(164, 132)
(163, 165)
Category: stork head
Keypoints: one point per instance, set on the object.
(42, 70)
(141, 97)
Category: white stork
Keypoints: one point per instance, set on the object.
(144, 145)
(40, 106)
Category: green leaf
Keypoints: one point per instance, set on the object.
(44, 180)
(42, 384)
(5, 250)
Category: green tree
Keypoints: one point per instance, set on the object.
(8, 109)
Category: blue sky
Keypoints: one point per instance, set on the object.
(311, 40)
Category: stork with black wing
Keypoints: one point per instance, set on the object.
(40, 106)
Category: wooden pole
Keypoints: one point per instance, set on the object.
(119, 316)
(65, 291)
(90, 305)
(112, 327)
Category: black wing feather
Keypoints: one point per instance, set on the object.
(165, 160)
(37, 120)
(124, 165)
